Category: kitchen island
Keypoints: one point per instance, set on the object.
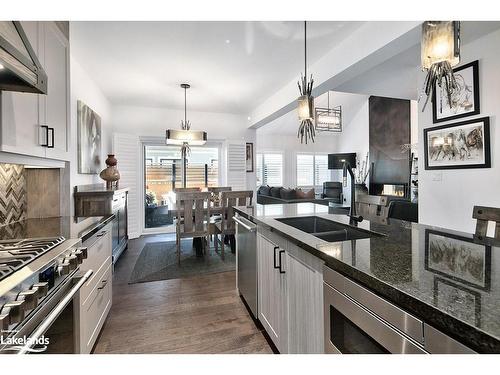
(447, 279)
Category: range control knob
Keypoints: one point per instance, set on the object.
(43, 288)
(63, 268)
(4, 322)
(73, 262)
(30, 298)
(79, 256)
(15, 310)
(84, 251)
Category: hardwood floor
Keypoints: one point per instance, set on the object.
(203, 314)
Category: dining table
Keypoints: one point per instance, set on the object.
(215, 210)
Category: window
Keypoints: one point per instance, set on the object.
(312, 170)
(270, 169)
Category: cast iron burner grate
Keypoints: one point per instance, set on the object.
(15, 254)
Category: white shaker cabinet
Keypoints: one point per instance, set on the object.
(305, 302)
(20, 120)
(31, 122)
(291, 301)
(55, 105)
(272, 299)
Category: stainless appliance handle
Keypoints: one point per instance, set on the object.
(246, 226)
(54, 314)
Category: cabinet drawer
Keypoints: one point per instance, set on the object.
(94, 310)
(273, 237)
(98, 257)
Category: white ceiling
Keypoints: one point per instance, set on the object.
(231, 66)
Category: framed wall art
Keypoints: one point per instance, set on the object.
(465, 98)
(249, 157)
(460, 145)
(89, 140)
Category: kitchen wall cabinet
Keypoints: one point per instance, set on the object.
(272, 299)
(290, 303)
(23, 115)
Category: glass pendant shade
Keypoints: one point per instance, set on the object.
(306, 107)
(440, 42)
(329, 119)
(180, 137)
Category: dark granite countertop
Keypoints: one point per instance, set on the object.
(65, 226)
(94, 189)
(446, 278)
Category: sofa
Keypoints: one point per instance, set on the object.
(280, 195)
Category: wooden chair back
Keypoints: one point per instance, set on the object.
(186, 190)
(483, 215)
(193, 213)
(371, 205)
(216, 193)
(230, 199)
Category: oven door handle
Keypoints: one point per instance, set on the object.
(54, 314)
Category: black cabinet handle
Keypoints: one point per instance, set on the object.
(46, 128)
(51, 144)
(281, 269)
(275, 264)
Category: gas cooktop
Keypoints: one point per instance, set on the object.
(15, 254)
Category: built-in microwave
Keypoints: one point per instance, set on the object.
(358, 321)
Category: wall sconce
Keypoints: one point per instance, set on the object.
(440, 52)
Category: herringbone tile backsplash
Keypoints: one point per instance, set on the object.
(12, 193)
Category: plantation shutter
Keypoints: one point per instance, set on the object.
(322, 173)
(236, 165)
(273, 169)
(127, 151)
(305, 170)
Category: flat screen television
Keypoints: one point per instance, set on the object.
(336, 161)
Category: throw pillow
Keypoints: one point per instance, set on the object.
(288, 194)
(276, 192)
(264, 190)
(301, 194)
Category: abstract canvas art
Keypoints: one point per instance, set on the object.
(249, 157)
(89, 140)
(464, 98)
(461, 145)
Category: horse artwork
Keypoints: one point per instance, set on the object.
(461, 145)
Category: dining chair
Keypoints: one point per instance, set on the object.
(192, 217)
(483, 215)
(226, 226)
(216, 193)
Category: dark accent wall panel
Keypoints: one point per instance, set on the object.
(389, 124)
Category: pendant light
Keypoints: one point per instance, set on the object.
(439, 54)
(185, 137)
(328, 119)
(305, 101)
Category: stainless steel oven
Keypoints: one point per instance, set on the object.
(39, 282)
(359, 321)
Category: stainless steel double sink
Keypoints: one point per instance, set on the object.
(327, 230)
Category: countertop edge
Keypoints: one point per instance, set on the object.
(481, 341)
(93, 228)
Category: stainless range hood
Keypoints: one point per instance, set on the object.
(20, 69)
